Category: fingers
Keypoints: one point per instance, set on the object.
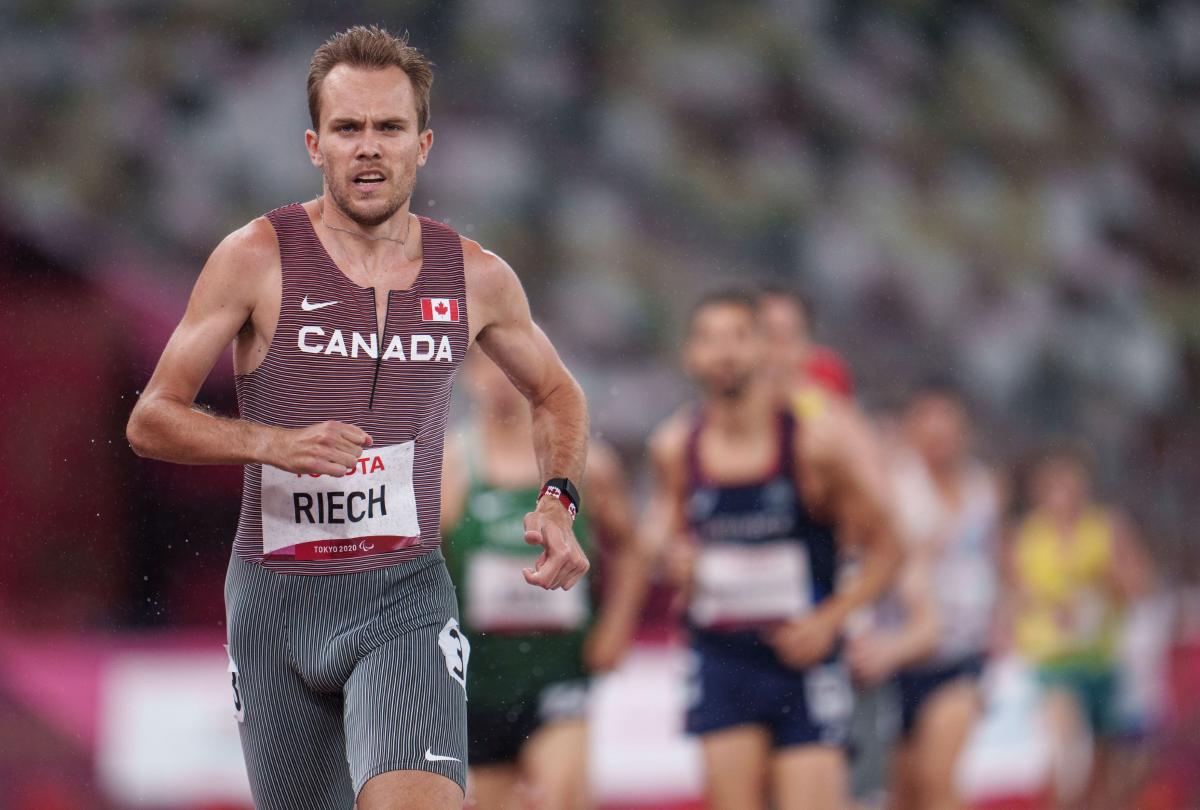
(562, 564)
(330, 448)
(796, 644)
(549, 571)
(360, 438)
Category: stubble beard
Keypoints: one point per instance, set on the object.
(733, 389)
(371, 219)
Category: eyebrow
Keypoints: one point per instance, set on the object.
(346, 119)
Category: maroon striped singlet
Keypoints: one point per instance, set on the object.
(327, 361)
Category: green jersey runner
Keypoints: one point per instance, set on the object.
(527, 643)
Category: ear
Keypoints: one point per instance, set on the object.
(424, 145)
(313, 144)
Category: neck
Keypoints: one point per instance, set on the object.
(947, 477)
(743, 414)
(388, 235)
(1066, 519)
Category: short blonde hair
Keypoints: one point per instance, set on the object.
(369, 46)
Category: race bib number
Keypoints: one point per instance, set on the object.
(500, 600)
(371, 510)
(751, 584)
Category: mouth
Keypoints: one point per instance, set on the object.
(368, 180)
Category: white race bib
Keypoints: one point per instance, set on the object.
(372, 510)
(500, 600)
(739, 584)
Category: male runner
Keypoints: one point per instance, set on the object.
(534, 649)
(1074, 568)
(350, 316)
(751, 500)
(948, 505)
(800, 362)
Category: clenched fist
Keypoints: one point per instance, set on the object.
(563, 562)
(327, 448)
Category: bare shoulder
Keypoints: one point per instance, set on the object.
(486, 273)
(253, 247)
(494, 294)
(668, 441)
(239, 270)
(830, 428)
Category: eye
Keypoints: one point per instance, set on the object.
(392, 127)
(346, 128)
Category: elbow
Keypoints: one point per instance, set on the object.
(134, 434)
(137, 431)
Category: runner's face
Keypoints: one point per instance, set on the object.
(937, 427)
(786, 333)
(369, 148)
(724, 350)
(1062, 487)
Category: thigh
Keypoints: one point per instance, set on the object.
(406, 711)
(904, 794)
(809, 777)
(941, 733)
(735, 767)
(292, 738)
(554, 762)
(409, 790)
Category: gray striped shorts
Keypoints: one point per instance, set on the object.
(341, 677)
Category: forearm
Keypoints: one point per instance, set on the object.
(880, 562)
(914, 642)
(163, 429)
(560, 431)
(628, 582)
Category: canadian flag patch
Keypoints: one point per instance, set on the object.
(439, 309)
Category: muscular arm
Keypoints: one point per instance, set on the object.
(858, 504)
(877, 654)
(166, 425)
(505, 330)
(502, 325)
(663, 523)
(1132, 571)
(848, 458)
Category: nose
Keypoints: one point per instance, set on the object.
(368, 146)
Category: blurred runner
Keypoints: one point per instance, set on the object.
(533, 649)
(349, 316)
(948, 506)
(802, 363)
(746, 502)
(1074, 566)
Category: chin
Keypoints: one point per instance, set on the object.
(371, 217)
(729, 389)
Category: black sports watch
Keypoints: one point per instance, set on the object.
(565, 491)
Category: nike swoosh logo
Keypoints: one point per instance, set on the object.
(307, 307)
(432, 757)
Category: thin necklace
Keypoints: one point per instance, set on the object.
(321, 215)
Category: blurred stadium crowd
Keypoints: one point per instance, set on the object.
(1006, 194)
